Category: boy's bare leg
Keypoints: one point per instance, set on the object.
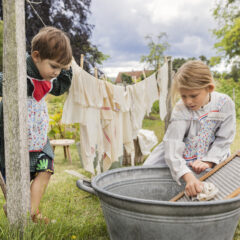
(38, 188)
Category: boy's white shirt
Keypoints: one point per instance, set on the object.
(183, 124)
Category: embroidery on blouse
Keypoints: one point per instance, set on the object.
(196, 147)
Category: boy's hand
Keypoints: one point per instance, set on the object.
(199, 166)
(193, 185)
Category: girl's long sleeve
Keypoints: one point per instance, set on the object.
(174, 148)
(224, 136)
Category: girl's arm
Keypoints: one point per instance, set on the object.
(224, 136)
(62, 83)
(193, 185)
(174, 148)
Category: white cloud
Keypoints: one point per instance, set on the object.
(120, 28)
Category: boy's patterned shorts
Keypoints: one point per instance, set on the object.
(44, 164)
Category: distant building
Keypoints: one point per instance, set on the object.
(133, 74)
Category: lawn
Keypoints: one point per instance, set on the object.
(78, 214)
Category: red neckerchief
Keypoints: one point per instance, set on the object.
(41, 88)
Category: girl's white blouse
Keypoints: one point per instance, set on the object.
(217, 118)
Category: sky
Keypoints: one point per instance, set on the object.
(121, 27)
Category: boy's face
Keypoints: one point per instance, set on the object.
(194, 99)
(47, 68)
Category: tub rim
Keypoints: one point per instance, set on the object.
(152, 202)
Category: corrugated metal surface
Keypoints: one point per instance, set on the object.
(226, 179)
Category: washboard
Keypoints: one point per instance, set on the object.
(225, 176)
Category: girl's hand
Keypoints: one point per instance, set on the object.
(193, 185)
(199, 166)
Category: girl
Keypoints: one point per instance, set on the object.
(201, 128)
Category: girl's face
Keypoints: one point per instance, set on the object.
(194, 99)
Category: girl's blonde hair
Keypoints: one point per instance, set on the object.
(193, 74)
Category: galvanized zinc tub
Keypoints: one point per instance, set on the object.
(135, 205)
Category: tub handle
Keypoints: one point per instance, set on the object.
(85, 186)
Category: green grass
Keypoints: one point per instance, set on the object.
(78, 214)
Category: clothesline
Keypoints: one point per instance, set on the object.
(110, 116)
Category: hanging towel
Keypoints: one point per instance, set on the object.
(147, 140)
(138, 108)
(162, 80)
(91, 138)
(151, 92)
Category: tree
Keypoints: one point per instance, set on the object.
(69, 16)
(177, 63)
(204, 59)
(156, 50)
(126, 78)
(227, 15)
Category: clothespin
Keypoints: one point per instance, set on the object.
(81, 60)
(95, 72)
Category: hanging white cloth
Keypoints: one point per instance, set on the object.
(151, 92)
(147, 140)
(162, 80)
(91, 138)
(138, 107)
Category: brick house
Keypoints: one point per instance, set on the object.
(133, 74)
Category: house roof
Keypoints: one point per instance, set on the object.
(134, 74)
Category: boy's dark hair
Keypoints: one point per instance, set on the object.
(53, 44)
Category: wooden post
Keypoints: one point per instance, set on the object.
(169, 104)
(15, 113)
(81, 60)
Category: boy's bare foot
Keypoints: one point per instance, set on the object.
(38, 218)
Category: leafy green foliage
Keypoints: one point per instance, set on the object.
(57, 129)
(232, 89)
(229, 37)
(156, 50)
(126, 78)
(155, 107)
(235, 71)
(227, 15)
(70, 16)
(178, 62)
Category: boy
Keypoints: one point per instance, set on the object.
(48, 71)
